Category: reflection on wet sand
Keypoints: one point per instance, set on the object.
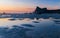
(28, 28)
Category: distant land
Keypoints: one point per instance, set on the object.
(39, 10)
(37, 13)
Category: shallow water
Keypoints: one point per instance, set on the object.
(17, 21)
(29, 28)
(8, 22)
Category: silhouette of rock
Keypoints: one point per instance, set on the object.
(39, 10)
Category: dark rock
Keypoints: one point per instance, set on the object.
(27, 25)
(39, 10)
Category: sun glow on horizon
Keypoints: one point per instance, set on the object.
(26, 5)
(14, 6)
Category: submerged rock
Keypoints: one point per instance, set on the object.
(12, 19)
(28, 25)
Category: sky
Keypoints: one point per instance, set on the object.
(20, 6)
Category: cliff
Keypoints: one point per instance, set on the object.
(39, 10)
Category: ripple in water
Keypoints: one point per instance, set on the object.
(26, 28)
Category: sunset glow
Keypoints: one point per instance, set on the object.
(26, 5)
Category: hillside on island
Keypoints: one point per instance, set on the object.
(39, 10)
